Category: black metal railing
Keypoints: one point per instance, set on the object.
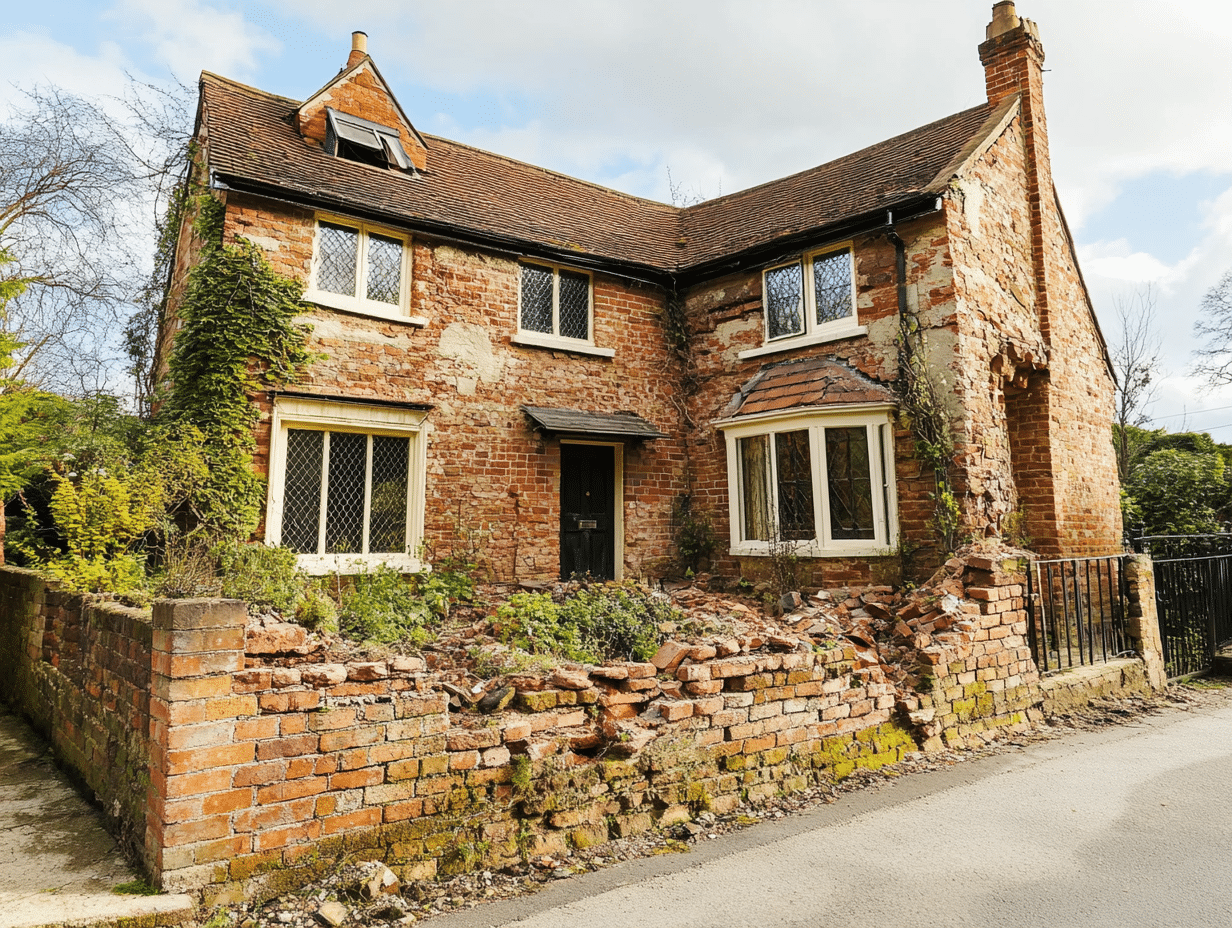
(1193, 597)
(1077, 611)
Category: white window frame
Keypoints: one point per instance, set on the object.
(876, 419)
(813, 333)
(325, 415)
(553, 339)
(359, 303)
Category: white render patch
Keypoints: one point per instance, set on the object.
(470, 344)
(326, 325)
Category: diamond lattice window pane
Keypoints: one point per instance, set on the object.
(850, 482)
(574, 305)
(832, 286)
(536, 299)
(387, 522)
(784, 311)
(344, 510)
(384, 269)
(338, 250)
(301, 507)
(795, 484)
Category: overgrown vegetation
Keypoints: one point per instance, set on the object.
(924, 414)
(695, 538)
(593, 624)
(1177, 484)
(239, 337)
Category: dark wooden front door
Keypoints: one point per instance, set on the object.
(587, 512)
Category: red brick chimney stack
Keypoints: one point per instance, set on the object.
(359, 48)
(1013, 59)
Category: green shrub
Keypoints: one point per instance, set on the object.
(261, 575)
(608, 621)
(120, 573)
(441, 588)
(317, 611)
(620, 621)
(383, 608)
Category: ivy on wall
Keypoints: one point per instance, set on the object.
(239, 337)
(923, 413)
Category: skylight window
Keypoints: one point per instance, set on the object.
(364, 141)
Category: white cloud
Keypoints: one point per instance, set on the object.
(187, 36)
(29, 58)
(1117, 261)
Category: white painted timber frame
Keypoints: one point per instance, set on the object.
(552, 339)
(812, 334)
(618, 499)
(876, 419)
(327, 416)
(358, 303)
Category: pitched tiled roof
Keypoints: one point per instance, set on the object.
(874, 178)
(251, 139)
(801, 384)
(253, 143)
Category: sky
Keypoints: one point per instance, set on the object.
(724, 94)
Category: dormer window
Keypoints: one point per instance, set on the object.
(364, 141)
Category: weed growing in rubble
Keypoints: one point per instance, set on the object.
(382, 607)
(610, 621)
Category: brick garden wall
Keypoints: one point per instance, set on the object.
(79, 668)
(251, 775)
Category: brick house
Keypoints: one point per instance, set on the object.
(558, 368)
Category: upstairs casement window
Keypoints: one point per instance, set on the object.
(809, 300)
(556, 309)
(364, 141)
(361, 268)
(820, 482)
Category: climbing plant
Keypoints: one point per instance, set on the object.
(239, 337)
(924, 414)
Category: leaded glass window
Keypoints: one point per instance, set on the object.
(574, 305)
(795, 485)
(755, 476)
(784, 304)
(832, 286)
(825, 488)
(338, 259)
(359, 268)
(358, 482)
(809, 295)
(384, 269)
(537, 284)
(850, 483)
(555, 302)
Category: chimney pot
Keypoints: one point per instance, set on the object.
(1004, 19)
(359, 41)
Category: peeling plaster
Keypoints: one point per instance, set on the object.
(470, 344)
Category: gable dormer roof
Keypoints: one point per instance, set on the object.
(360, 92)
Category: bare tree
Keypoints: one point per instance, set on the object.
(1136, 357)
(81, 182)
(1214, 330)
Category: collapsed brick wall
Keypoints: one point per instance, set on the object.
(263, 774)
(78, 667)
(489, 473)
(281, 771)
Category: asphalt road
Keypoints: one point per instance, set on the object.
(1125, 826)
